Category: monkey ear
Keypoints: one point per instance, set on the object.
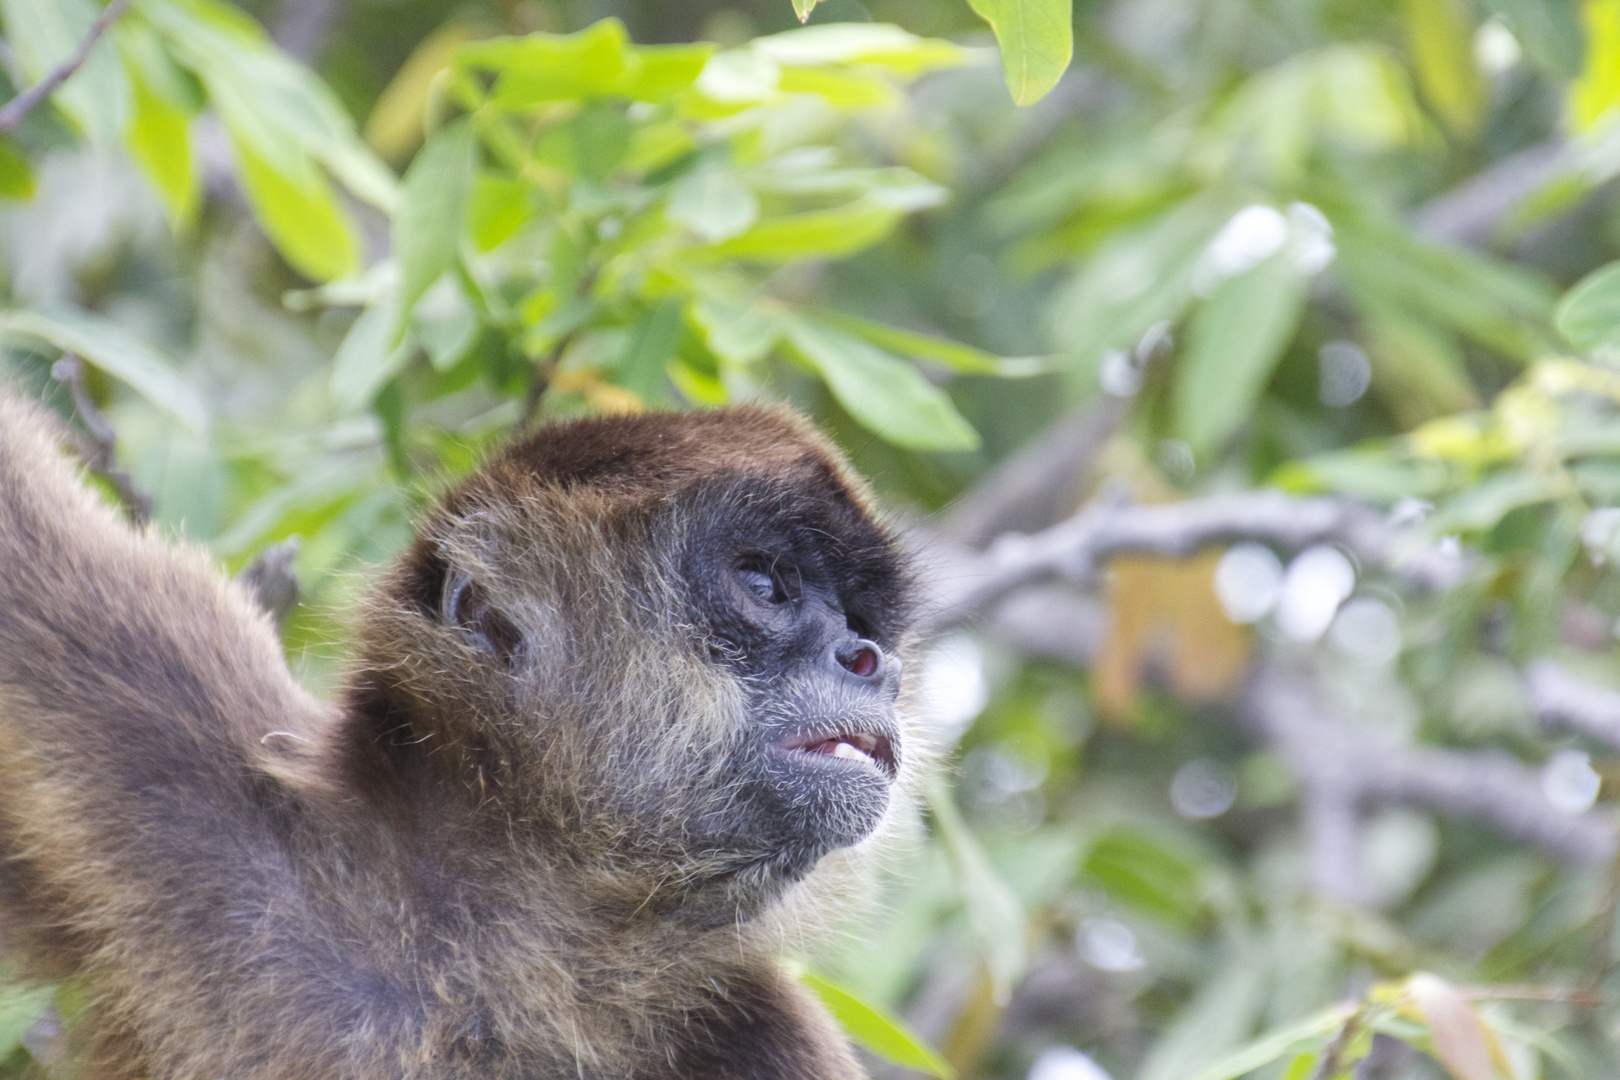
(465, 607)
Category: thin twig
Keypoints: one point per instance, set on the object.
(21, 105)
(1332, 1058)
(100, 448)
(542, 381)
(1559, 994)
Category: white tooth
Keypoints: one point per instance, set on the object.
(850, 753)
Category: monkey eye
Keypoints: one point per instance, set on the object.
(768, 580)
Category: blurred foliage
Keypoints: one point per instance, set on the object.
(1353, 246)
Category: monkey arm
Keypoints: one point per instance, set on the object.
(141, 831)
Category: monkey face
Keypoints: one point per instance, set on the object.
(801, 600)
(670, 644)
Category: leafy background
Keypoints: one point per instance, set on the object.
(1307, 785)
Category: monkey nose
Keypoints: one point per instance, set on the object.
(861, 658)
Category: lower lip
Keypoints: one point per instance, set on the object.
(853, 756)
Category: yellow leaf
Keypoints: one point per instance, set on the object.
(602, 396)
(1472, 440)
(159, 139)
(1598, 89)
(1442, 44)
(394, 128)
(1165, 613)
(299, 214)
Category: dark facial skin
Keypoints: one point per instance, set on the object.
(819, 662)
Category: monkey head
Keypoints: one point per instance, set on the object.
(662, 651)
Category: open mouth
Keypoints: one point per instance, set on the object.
(862, 746)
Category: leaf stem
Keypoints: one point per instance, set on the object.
(23, 104)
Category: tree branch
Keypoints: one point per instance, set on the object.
(1467, 213)
(21, 105)
(1073, 549)
(1036, 486)
(99, 450)
(1344, 768)
(301, 27)
(1563, 700)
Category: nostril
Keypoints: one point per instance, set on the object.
(862, 658)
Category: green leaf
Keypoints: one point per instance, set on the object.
(299, 215)
(1484, 504)
(877, 1031)
(497, 208)
(879, 44)
(740, 333)
(1233, 343)
(1137, 278)
(1550, 33)
(1220, 1016)
(368, 357)
(1589, 314)
(591, 145)
(963, 358)
(16, 178)
(21, 1007)
(46, 33)
(110, 348)
(270, 102)
(541, 68)
(1036, 39)
(993, 911)
(650, 345)
(659, 72)
(885, 394)
(1139, 871)
(446, 324)
(432, 210)
(803, 8)
(159, 139)
(831, 233)
(1270, 1047)
(714, 203)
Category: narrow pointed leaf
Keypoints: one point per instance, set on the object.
(877, 1031)
(300, 216)
(1233, 344)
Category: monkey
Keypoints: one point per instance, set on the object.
(623, 713)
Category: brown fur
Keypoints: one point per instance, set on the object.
(483, 863)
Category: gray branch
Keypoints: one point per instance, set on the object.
(1467, 213)
(25, 102)
(1343, 769)
(301, 26)
(1036, 486)
(98, 445)
(1562, 700)
(1073, 549)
